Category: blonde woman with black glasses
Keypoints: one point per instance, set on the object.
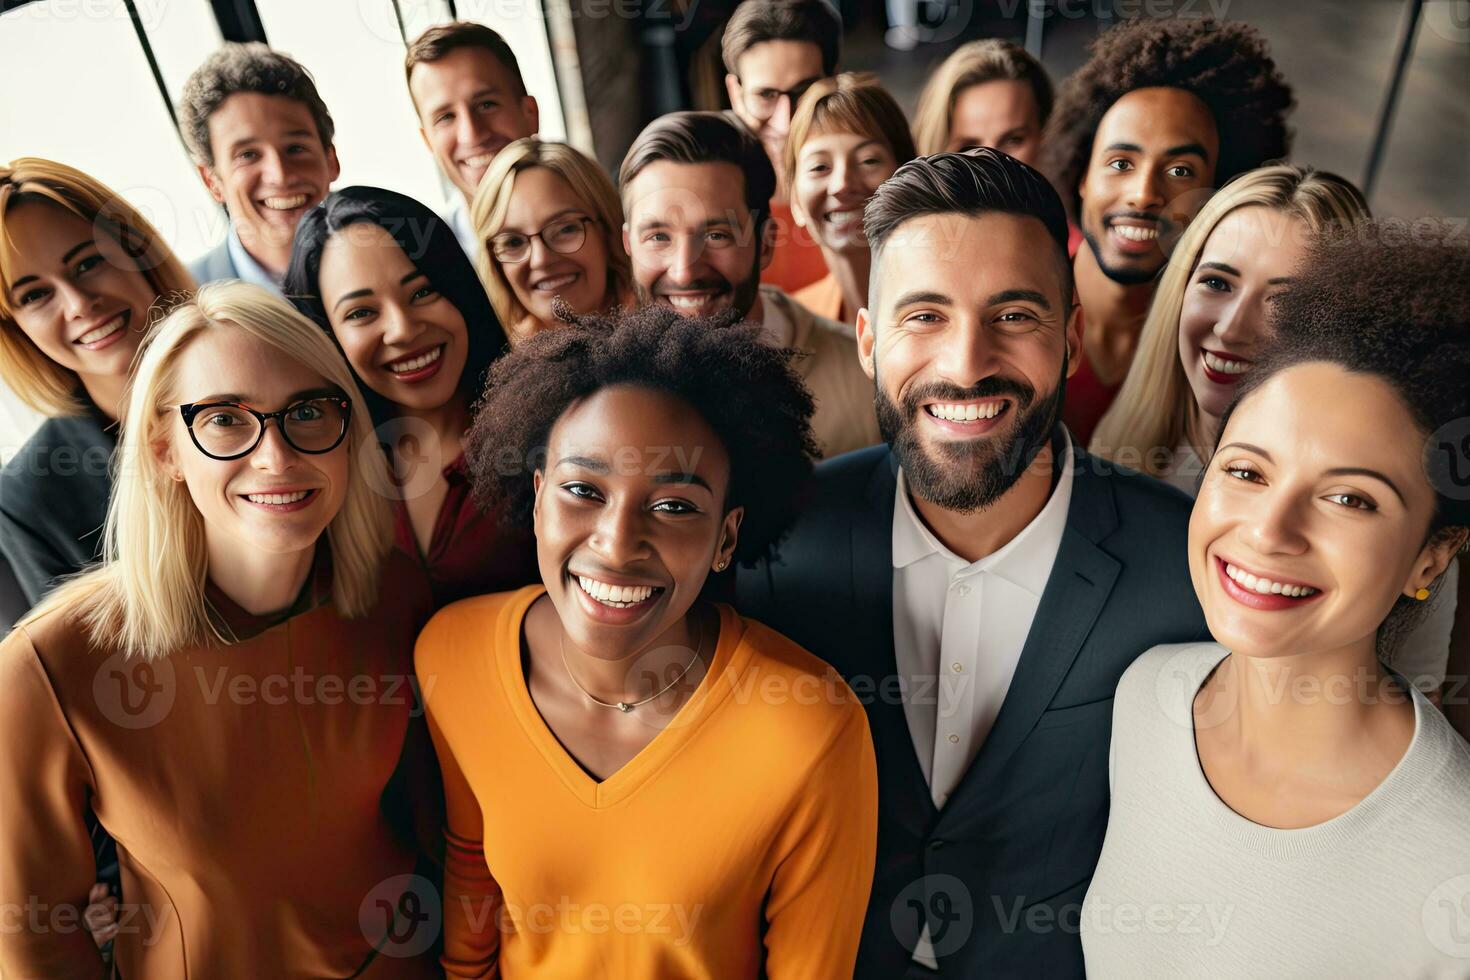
(550, 226)
(228, 691)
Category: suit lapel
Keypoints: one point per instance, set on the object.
(1081, 581)
(906, 793)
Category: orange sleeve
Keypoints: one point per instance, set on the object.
(819, 895)
(472, 900)
(46, 863)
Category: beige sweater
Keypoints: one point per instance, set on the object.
(845, 419)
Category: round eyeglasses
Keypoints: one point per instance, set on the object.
(761, 104)
(563, 236)
(229, 430)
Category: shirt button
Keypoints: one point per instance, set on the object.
(963, 589)
(959, 668)
(954, 738)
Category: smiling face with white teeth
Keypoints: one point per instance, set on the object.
(1313, 514)
(1244, 265)
(968, 344)
(269, 169)
(541, 199)
(1151, 169)
(275, 501)
(471, 106)
(404, 339)
(75, 294)
(630, 518)
(690, 236)
(836, 173)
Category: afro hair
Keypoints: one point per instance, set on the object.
(743, 388)
(1227, 65)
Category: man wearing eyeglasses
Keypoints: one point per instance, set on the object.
(774, 50)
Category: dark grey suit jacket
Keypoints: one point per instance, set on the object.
(999, 874)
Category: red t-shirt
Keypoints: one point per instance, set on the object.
(1088, 399)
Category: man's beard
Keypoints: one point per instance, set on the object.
(969, 475)
(1126, 275)
(742, 294)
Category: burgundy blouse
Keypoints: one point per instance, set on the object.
(471, 551)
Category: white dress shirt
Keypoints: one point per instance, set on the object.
(958, 631)
(458, 219)
(246, 268)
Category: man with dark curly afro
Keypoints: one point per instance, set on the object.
(1163, 112)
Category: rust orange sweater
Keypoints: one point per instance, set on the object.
(740, 839)
(251, 788)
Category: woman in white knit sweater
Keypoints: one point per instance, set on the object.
(1283, 804)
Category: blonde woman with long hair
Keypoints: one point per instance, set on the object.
(1210, 313)
(83, 273)
(227, 691)
(987, 93)
(550, 224)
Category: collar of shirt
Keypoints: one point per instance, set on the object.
(458, 219)
(236, 625)
(246, 268)
(1026, 560)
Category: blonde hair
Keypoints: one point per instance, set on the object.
(987, 60)
(852, 102)
(39, 381)
(594, 191)
(148, 593)
(1155, 409)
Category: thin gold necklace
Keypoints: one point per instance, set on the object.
(627, 706)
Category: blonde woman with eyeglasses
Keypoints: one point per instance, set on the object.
(550, 226)
(81, 275)
(228, 691)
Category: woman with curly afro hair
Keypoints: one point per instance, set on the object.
(1284, 776)
(639, 781)
(1163, 112)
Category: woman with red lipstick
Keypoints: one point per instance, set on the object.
(228, 690)
(81, 274)
(1210, 313)
(639, 781)
(1302, 803)
(386, 277)
(551, 225)
(847, 136)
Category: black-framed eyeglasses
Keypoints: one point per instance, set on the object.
(762, 103)
(563, 236)
(229, 430)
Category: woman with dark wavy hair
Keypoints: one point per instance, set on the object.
(385, 276)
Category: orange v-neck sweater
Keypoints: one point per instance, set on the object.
(740, 839)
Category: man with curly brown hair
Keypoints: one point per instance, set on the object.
(1163, 112)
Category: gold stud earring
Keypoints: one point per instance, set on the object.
(721, 566)
(1422, 594)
